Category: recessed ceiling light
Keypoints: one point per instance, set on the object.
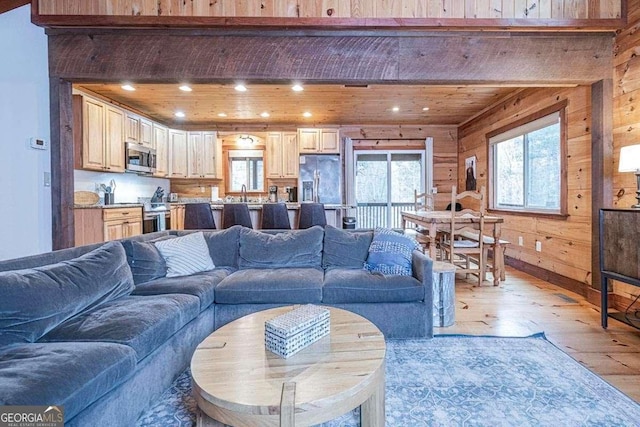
(425, 108)
(128, 87)
(185, 88)
(264, 114)
(297, 88)
(240, 88)
(306, 114)
(222, 114)
(180, 114)
(395, 109)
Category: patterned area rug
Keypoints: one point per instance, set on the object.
(466, 381)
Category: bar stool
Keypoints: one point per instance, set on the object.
(198, 216)
(275, 217)
(311, 214)
(236, 214)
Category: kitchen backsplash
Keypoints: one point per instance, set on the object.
(129, 186)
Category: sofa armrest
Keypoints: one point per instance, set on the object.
(422, 267)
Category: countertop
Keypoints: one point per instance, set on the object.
(214, 205)
(113, 206)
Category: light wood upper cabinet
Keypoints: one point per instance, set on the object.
(146, 133)
(319, 140)
(133, 128)
(115, 158)
(282, 155)
(99, 135)
(212, 155)
(290, 157)
(161, 142)
(178, 158)
(203, 155)
(93, 134)
(139, 130)
(329, 141)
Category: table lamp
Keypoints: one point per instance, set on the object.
(630, 162)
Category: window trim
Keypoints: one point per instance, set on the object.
(560, 108)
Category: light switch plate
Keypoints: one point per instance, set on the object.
(47, 179)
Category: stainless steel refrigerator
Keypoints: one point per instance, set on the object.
(320, 179)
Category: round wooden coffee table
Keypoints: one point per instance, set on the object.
(237, 381)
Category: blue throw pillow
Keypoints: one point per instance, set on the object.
(390, 253)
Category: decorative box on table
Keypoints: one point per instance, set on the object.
(289, 333)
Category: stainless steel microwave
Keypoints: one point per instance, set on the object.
(140, 159)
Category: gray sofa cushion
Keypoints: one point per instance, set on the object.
(69, 374)
(143, 323)
(345, 248)
(294, 248)
(201, 285)
(353, 286)
(34, 301)
(145, 260)
(261, 286)
(223, 245)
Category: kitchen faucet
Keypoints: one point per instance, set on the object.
(243, 190)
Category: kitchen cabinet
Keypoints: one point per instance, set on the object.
(121, 222)
(95, 225)
(161, 142)
(282, 155)
(318, 141)
(204, 154)
(178, 158)
(99, 135)
(139, 130)
(146, 133)
(177, 217)
(114, 145)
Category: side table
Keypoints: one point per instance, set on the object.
(444, 294)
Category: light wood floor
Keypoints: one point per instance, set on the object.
(524, 305)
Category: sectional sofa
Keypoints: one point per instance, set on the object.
(103, 332)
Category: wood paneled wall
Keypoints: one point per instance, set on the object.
(626, 116)
(445, 149)
(461, 9)
(566, 243)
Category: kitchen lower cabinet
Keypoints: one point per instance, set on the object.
(121, 222)
(177, 217)
(95, 225)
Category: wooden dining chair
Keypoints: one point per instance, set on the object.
(466, 253)
(421, 202)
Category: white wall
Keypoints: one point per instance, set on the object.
(25, 203)
(129, 186)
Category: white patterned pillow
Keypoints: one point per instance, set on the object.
(186, 255)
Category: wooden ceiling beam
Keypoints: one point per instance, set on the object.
(7, 5)
(472, 58)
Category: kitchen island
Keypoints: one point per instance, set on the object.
(333, 213)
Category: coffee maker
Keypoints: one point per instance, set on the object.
(292, 194)
(273, 193)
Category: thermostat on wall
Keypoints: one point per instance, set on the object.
(39, 143)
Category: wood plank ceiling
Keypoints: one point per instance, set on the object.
(329, 104)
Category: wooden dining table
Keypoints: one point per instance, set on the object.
(435, 221)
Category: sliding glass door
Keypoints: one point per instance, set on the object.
(384, 185)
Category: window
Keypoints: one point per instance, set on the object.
(246, 167)
(527, 164)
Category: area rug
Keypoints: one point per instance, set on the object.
(455, 380)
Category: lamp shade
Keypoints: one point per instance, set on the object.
(629, 158)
